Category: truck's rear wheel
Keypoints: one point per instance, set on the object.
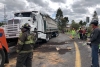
(57, 34)
(2, 58)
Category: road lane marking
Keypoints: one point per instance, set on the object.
(78, 58)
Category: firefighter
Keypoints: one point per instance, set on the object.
(25, 47)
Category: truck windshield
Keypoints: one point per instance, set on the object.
(25, 14)
(15, 21)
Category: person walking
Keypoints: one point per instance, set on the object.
(25, 47)
(73, 32)
(80, 33)
(95, 40)
(84, 34)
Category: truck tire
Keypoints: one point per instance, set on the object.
(36, 35)
(2, 58)
(47, 38)
(57, 34)
(36, 38)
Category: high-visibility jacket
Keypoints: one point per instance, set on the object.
(25, 43)
(73, 32)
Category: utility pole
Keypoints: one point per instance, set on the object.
(5, 16)
(87, 21)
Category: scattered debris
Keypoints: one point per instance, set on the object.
(69, 48)
(84, 44)
(80, 42)
(66, 42)
(57, 48)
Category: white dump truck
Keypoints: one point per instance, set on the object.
(42, 24)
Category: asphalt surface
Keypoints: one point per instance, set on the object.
(85, 52)
(58, 52)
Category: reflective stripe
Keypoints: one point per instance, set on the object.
(19, 42)
(29, 42)
(26, 51)
(20, 35)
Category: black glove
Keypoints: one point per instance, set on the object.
(89, 43)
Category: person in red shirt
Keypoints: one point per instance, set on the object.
(84, 33)
(80, 33)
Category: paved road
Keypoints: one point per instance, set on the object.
(57, 53)
(85, 53)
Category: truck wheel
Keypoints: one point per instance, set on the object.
(57, 34)
(47, 38)
(36, 35)
(2, 58)
(36, 38)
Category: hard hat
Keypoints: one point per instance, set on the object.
(26, 26)
(95, 22)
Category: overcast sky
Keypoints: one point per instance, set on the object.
(74, 9)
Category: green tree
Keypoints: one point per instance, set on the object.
(75, 25)
(59, 13)
(84, 23)
(66, 19)
(1, 24)
(89, 29)
(73, 22)
(62, 21)
(59, 16)
(81, 22)
(63, 24)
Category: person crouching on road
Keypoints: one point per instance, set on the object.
(95, 40)
(25, 47)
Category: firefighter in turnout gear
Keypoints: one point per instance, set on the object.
(25, 47)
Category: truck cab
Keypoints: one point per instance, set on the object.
(12, 29)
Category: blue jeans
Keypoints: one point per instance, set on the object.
(95, 59)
